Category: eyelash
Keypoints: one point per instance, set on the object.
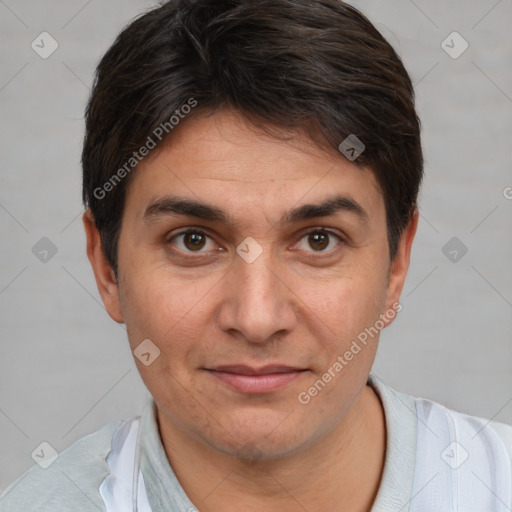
(329, 232)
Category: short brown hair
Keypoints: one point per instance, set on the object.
(318, 66)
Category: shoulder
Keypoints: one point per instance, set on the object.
(432, 422)
(459, 424)
(464, 460)
(71, 482)
(428, 412)
(475, 434)
(505, 433)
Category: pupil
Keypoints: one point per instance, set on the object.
(196, 240)
(319, 238)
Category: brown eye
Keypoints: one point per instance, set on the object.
(191, 241)
(320, 239)
(194, 241)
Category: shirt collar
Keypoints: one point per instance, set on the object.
(395, 491)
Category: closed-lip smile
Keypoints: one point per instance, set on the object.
(252, 380)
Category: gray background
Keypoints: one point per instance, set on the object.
(65, 367)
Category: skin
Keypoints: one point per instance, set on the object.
(300, 303)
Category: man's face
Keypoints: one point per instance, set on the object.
(220, 307)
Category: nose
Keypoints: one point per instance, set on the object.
(258, 301)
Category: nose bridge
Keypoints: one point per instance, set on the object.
(257, 275)
(259, 304)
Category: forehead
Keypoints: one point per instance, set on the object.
(221, 159)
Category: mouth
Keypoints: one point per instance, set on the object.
(250, 380)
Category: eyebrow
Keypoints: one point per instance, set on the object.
(170, 205)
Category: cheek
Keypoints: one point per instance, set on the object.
(167, 312)
(176, 311)
(162, 307)
(346, 317)
(346, 302)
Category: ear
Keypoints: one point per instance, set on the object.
(399, 267)
(105, 278)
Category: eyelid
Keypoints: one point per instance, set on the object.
(328, 231)
(190, 229)
(205, 232)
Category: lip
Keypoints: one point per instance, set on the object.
(246, 379)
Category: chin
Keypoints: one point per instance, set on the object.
(258, 439)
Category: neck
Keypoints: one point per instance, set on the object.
(341, 472)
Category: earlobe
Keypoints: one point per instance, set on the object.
(400, 264)
(103, 272)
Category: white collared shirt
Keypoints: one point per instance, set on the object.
(437, 460)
